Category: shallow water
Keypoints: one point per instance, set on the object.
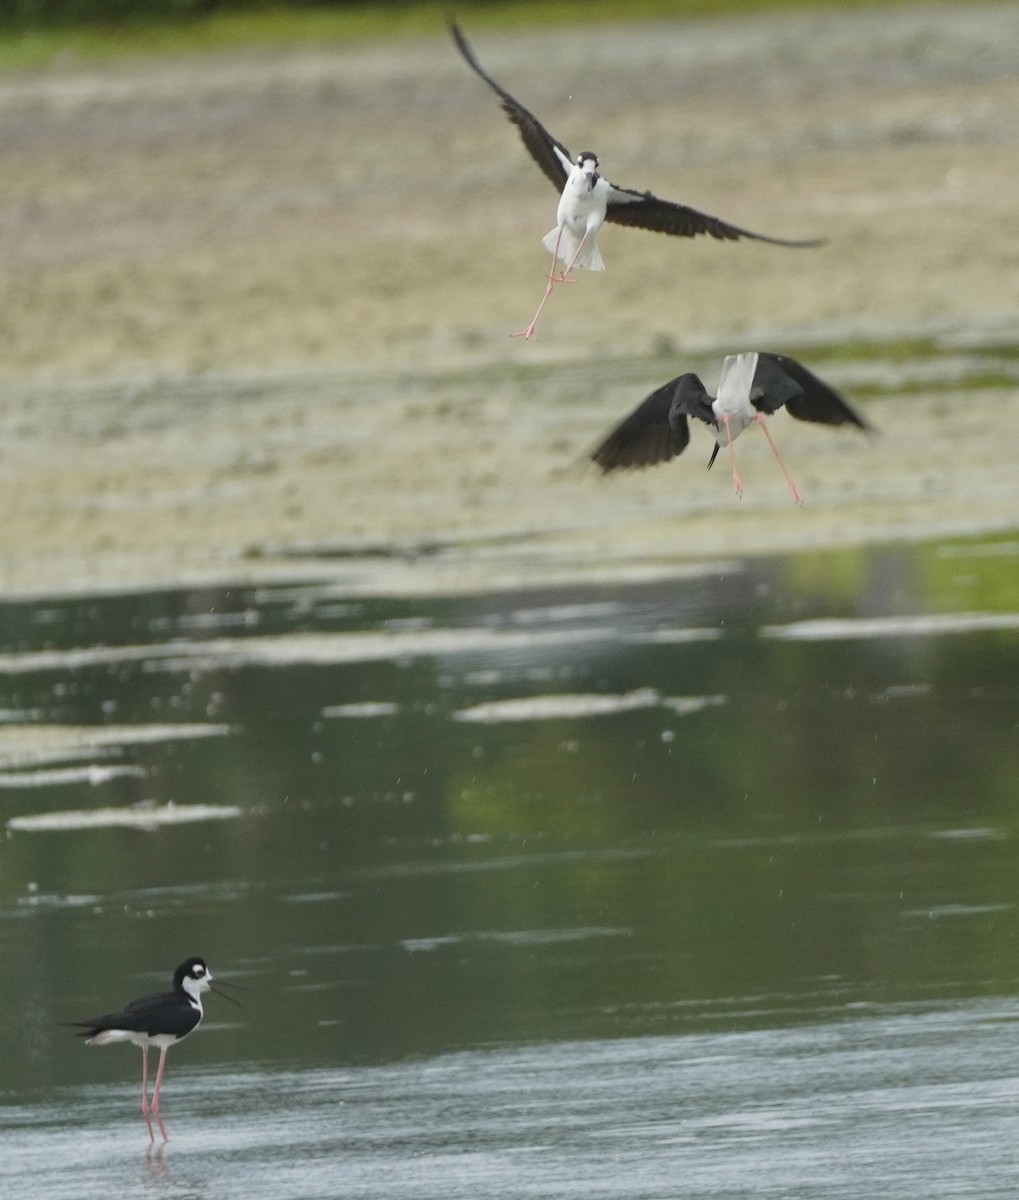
(704, 888)
(888, 1102)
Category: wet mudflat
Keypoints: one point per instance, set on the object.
(260, 302)
(701, 887)
(394, 481)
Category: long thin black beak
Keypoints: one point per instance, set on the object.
(214, 986)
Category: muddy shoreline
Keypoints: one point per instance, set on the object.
(256, 307)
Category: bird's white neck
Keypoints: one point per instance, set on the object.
(582, 181)
(193, 989)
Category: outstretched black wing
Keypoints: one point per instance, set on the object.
(657, 429)
(780, 380)
(644, 210)
(541, 145)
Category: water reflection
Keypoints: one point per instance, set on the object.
(518, 829)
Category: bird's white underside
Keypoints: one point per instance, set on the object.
(581, 212)
(564, 247)
(733, 398)
(110, 1036)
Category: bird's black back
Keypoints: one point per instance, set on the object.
(161, 1012)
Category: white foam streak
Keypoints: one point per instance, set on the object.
(141, 816)
(929, 625)
(582, 704)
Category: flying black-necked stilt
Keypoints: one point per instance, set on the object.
(159, 1020)
(749, 386)
(588, 199)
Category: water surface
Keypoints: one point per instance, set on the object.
(700, 888)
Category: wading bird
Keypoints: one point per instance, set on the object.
(157, 1020)
(750, 385)
(588, 200)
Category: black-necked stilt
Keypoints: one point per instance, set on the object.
(750, 385)
(159, 1020)
(588, 199)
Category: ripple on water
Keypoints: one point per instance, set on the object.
(888, 1102)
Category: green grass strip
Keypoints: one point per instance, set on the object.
(42, 45)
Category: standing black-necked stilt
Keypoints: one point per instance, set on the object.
(588, 200)
(749, 386)
(159, 1020)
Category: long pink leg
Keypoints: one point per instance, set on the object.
(759, 418)
(145, 1091)
(561, 277)
(529, 331)
(155, 1094)
(573, 260)
(737, 483)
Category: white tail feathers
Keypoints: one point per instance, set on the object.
(590, 257)
(106, 1037)
(734, 383)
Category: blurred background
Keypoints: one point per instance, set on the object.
(569, 835)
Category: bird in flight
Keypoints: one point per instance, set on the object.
(588, 200)
(159, 1020)
(750, 385)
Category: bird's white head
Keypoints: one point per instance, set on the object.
(587, 161)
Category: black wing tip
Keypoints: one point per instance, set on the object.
(613, 453)
(625, 454)
(789, 243)
(607, 466)
(602, 457)
(463, 45)
(467, 52)
(805, 377)
(645, 210)
(808, 243)
(859, 421)
(83, 1029)
(619, 464)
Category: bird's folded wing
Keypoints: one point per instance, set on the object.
(137, 1015)
(143, 1003)
(134, 1022)
(152, 1018)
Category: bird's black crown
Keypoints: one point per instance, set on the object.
(191, 968)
